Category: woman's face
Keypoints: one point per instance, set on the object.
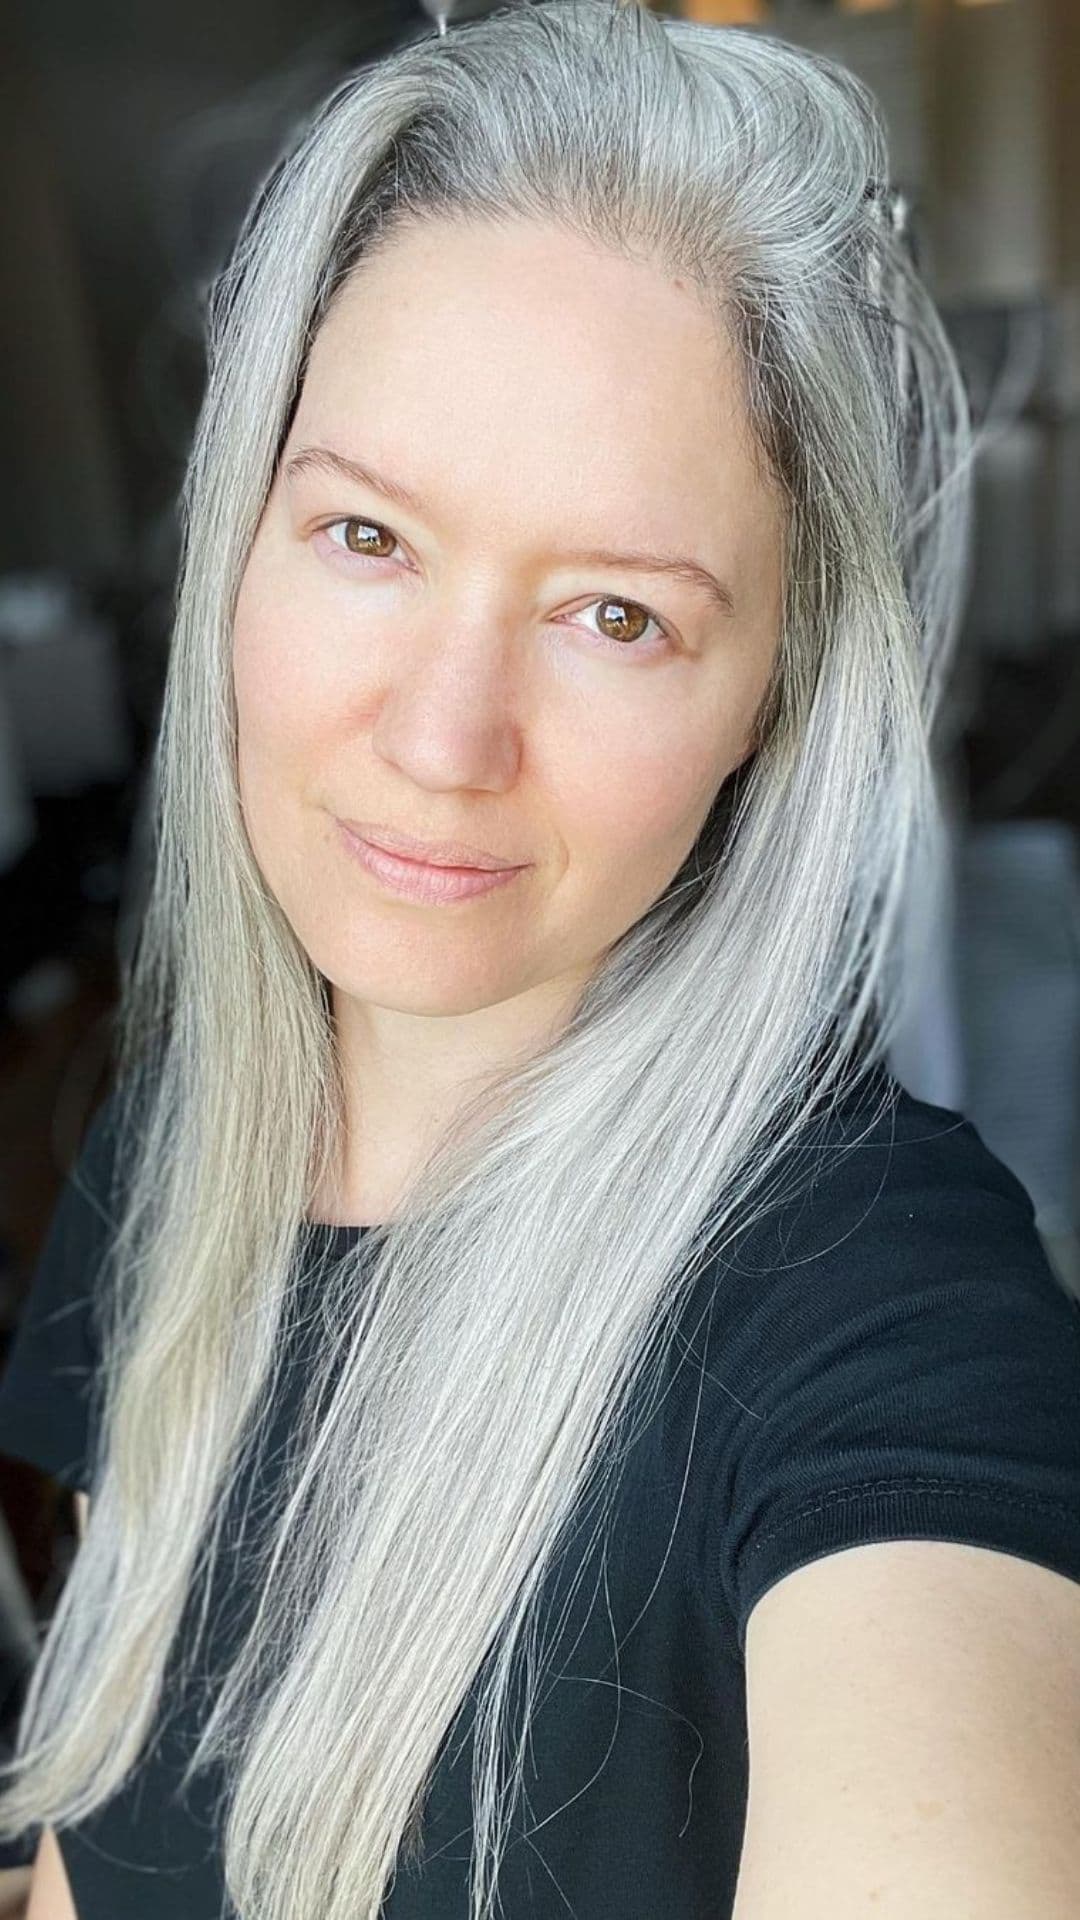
(476, 662)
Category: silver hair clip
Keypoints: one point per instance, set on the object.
(891, 211)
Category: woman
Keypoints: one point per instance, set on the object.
(581, 486)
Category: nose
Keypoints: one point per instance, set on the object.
(450, 716)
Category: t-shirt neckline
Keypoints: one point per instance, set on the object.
(337, 1231)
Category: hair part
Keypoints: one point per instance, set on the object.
(582, 1197)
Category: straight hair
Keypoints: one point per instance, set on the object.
(482, 1353)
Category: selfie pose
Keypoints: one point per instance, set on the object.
(563, 1431)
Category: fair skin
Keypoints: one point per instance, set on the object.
(473, 679)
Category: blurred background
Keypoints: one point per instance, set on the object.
(131, 138)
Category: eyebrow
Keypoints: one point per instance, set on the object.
(677, 566)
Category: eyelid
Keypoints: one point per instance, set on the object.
(669, 633)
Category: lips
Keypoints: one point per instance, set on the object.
(420, 881)
(432, 853)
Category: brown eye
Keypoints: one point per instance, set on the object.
(623, 624)
(360, 542)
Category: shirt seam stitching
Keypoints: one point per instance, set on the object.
(854, 1490)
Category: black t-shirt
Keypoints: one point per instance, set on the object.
(887, 1356)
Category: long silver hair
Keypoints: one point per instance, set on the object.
(481, 1352)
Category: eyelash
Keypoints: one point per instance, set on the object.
(646, 647)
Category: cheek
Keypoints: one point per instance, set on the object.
(273, 691)
(275, 683)
(636, 795)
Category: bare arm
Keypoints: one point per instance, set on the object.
(913, 1710)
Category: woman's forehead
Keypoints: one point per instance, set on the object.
(537, 368)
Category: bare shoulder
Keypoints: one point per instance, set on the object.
(913, 1709)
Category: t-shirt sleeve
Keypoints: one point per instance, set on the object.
(907, 1365)
(48, 1388)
